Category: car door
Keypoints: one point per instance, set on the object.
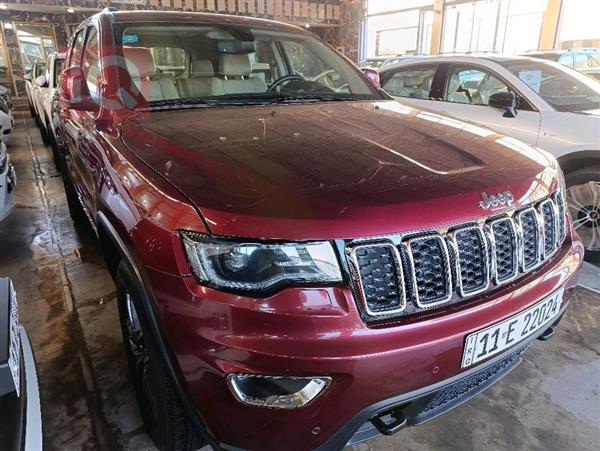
(80, 125)
(412, 85)
(466, 93)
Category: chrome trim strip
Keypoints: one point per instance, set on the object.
(539, 238)
(540, 209)
(447, 264)
(485, 259)
(357, 278)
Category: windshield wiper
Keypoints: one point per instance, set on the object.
(317, 98)
(177, 103)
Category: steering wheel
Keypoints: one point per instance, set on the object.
(284, 79)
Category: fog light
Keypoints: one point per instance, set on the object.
(278, 392)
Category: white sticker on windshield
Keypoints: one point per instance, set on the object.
(533, 78)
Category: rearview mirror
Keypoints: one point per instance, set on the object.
(74, 91)
(506, 101)
(373, 76)
(41, 81)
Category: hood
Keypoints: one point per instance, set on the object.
(595, 113)
(333, 169)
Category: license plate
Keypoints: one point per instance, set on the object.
(491, 341)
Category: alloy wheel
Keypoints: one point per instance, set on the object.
(584, 205)
(139, 351)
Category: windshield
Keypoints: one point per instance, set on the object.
(177, 65)
(563, 88)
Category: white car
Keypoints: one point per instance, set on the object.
(540, 102)
(34, 72)
(7, 123)
(44, 89)
(8, 180)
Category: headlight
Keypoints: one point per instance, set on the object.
(259, 267)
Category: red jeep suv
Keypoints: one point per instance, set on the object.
(301, 262)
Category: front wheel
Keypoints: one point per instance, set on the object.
(164, 417)
(583, 201)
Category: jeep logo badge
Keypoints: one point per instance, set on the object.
(504, 198)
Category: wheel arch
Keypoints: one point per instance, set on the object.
(579, 159)
(115, 250)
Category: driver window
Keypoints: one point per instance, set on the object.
(413, 83)
(472, 86)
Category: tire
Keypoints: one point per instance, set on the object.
(75, 209)
(164, 416)
(582, 184)
(43, 132)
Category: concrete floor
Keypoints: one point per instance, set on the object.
(67, 303)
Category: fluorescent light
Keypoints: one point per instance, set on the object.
(3, 6)
(70, 10)
(306, 25)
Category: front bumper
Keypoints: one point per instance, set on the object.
(319, 332)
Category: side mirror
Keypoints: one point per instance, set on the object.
(27, 76)
(74, 91)
(505, 101)
(41, 81)
(373, 76)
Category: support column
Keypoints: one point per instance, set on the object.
(550, 24)
(436, 28)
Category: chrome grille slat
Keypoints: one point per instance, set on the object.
(431, 270)
(560, 204)
(529, 226)
(436, 268)
(378, 270)
(472, 260)
(505, 249)
(548, 213)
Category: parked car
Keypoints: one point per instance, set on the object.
(45, 90)
(7, 122)
(542, 103)
(300, 266)
(373, 63)
(35, 71)
(5, 95)
(586, 60)
(21, 420)
(398, 59)
(8, 180)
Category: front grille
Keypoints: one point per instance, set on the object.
(437, 268)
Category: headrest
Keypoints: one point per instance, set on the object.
(235, 65)
(139, 61)
(202, 68)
